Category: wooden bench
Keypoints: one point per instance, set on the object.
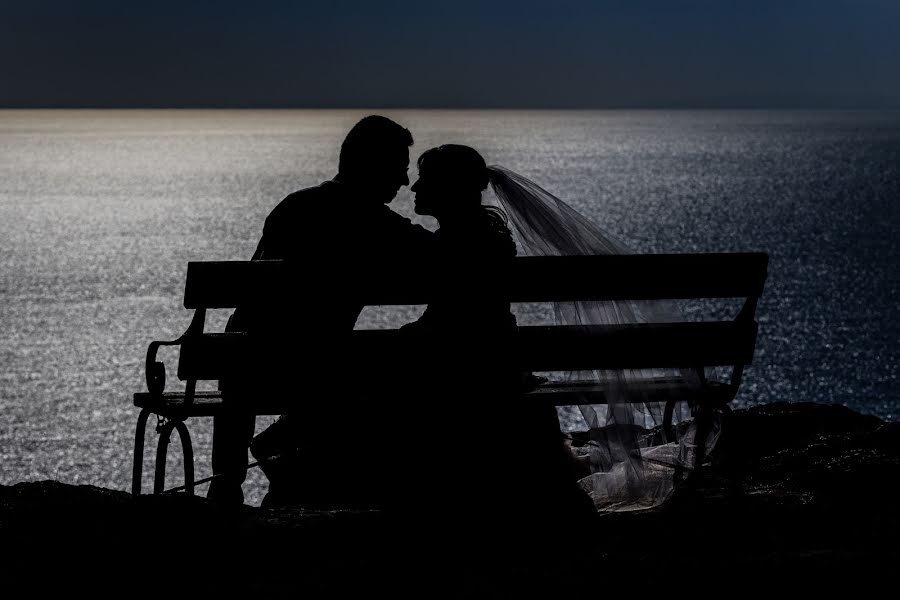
(687, 345)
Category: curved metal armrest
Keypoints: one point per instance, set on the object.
(155, 370)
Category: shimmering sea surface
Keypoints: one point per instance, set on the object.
(100, 211)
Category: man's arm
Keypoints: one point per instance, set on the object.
(410, 241)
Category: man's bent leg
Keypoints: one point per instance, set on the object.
(232, 432)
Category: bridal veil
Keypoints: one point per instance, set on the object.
(633, 464)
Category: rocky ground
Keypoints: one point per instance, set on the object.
(805, 496)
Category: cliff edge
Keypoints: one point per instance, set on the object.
(803, 492)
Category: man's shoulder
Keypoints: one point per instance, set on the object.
(324, 189)
(305, 199)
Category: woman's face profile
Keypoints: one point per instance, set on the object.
(430, 193)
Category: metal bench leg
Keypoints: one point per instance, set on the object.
(138, 468)
(188, 450)
(704, 427)
(165, 433)
(722, 450)
(159, 479)
(668, 429)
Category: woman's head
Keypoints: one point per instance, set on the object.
(451, 179)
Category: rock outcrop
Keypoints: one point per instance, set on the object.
(802, 492)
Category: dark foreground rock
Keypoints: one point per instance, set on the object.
(804, 494)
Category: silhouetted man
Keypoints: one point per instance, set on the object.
(332, 236)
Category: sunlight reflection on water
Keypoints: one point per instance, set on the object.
(100, 211)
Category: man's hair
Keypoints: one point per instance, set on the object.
(367, 140)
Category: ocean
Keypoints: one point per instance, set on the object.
(100, 212)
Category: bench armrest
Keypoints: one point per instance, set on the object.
(154, 370)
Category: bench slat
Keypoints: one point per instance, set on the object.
(205, 404)
(208, 404)
(172, 403)
(536, 348)
(562, 394)
(672, 345)
(531, 279)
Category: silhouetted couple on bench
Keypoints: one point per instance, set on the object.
(429, 432)
(439, 427)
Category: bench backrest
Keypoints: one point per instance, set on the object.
(531, 279)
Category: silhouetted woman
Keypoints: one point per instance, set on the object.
(492, 452)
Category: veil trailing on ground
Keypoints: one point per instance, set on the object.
(634, 464)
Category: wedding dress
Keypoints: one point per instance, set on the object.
(632, 465)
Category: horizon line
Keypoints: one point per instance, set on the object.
(463, 108)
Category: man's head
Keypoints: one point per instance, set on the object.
(375, 157)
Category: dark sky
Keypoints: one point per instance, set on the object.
(453, 53)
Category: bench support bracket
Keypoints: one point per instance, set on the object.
(165, 433)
